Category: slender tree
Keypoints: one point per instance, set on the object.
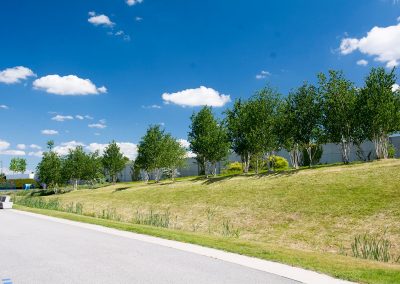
(379, 106)
(113, 160)
(208, 139)
(49, 168)
(339, 97)
(18, 165)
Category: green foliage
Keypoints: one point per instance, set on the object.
(252, 126)
(233, 168)
(278, 162)
(228, 230)
(78, 165)
(379, 107)
(391, 151)
(2, 177)
(339, 97)
(18, 165)
(208, 138)
(316, 154)
(159, 152)
(49, 169)
(373, 247)
(113, 160)
(37, 202)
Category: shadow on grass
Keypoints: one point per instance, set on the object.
(121, 189)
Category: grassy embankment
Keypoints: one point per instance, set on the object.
(305, 218)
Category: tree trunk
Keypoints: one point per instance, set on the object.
(309, 153)
(295, 156)
(75, 184)
(214, 169)
(246, 162)
(345, 148)
(381, 143)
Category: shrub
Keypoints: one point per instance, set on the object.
(233, 168)
(278, 162)
(391, 151)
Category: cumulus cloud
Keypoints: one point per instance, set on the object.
(3, 107)
(15, 74)
(34, 146)
(383, 43)
(49, 132)
(36, 154)
(70, 85)
(62, 118)
(395, 87)
(80, 117)
(21, 146)
(184, 143)
(4, 149)
(97, 125)
(139, 19)
(197, 97)
(133, 2)
(128, 149)
(100, 20)
(362, 62)
(63, 148)
(262, 75)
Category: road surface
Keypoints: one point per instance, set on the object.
(36, 250)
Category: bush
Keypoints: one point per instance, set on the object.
(391, 151)
(233, 168)
(19, 183)
(278, 162)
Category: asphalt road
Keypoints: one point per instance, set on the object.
(35, 250)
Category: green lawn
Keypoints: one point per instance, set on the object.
(306, 218)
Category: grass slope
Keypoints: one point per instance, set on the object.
(304, 218)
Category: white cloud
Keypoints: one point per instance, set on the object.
(34, 146)
(88, 117)
(80, 117)
(395, 87)
(362, 62)
(128, 149)
(197, 97)
(70, 85)
(36, 154)
(63, 148)
(97, 125)
(4, 145)
(3, 107)
(262, 75)
(133, 2)
(21, 146)
(49, 132)
(100, 20)
(383, 43)
(4, 149)
(151, 106)
(139, 19)
(184, 143)
(15, 74)
(62, 118)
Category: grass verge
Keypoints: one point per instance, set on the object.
(343, 267)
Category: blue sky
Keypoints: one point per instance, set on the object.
(87, 72)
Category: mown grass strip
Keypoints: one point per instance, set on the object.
(343, 267)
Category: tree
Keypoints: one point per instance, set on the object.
(208, 139)
(113, 160)
(251, 127)
(339, 98)
(49, 168)
(78, 165)
(305, 111)
(379, 106)
(158, 153)
(18, 165)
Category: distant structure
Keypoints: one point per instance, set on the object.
(20, 176)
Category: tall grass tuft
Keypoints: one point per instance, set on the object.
(372, 247)
(36, 202)
(110, 214)
(153, 219)
(228, 229)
